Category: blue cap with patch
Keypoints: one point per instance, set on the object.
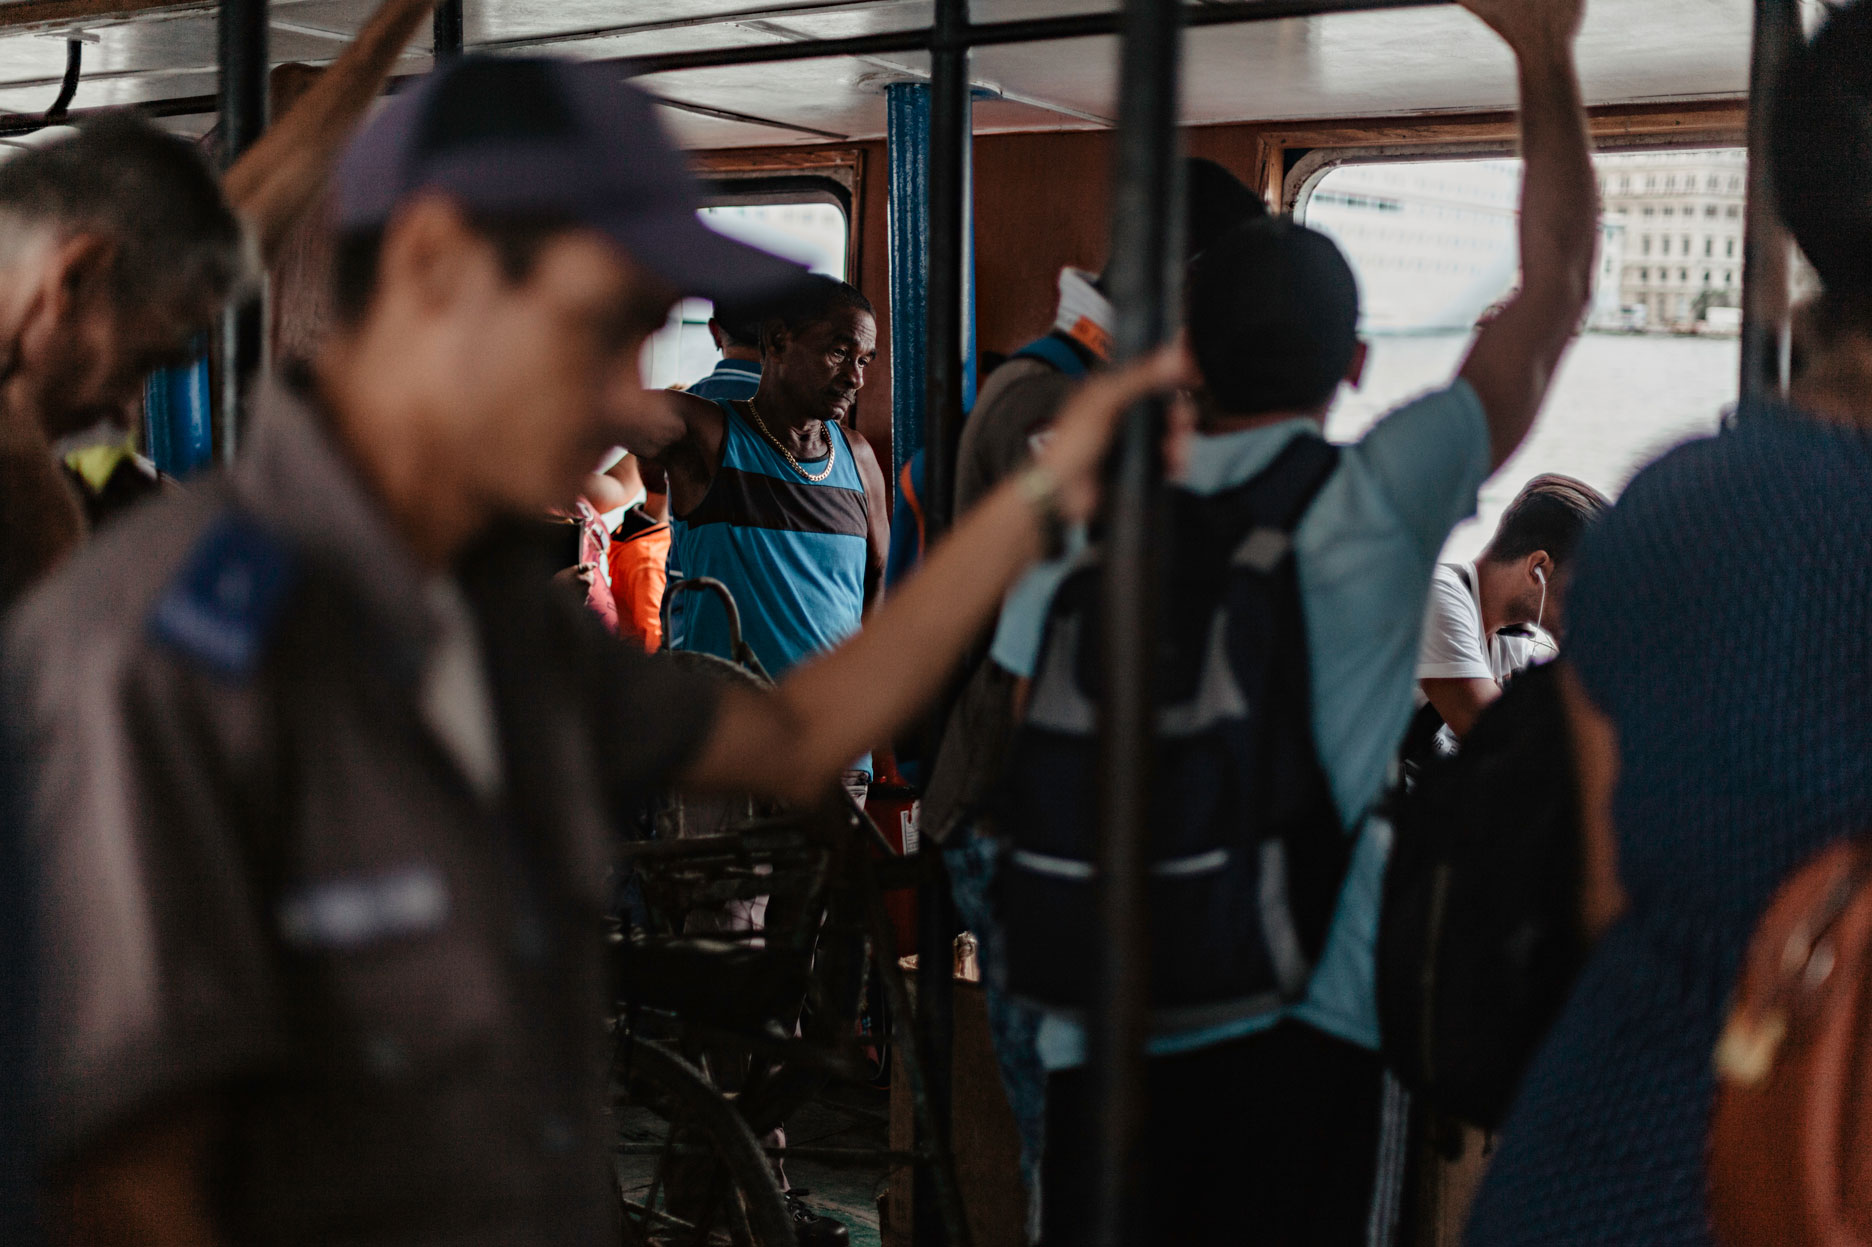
(555, 139)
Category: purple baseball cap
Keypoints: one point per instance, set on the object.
(533, 136)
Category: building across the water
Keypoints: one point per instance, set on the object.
(1682, 216)
(1434, 243)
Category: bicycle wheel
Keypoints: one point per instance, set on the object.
(689, 1173)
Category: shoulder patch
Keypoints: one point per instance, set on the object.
(221, 608)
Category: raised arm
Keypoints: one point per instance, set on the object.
(679, 439)
(793, 742)
(1515, 356)
(281, 175)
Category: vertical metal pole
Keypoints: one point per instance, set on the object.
(951, 118)
(1766, 252)
(448, 31)
(948, 139)
(243, 117)
(1146, 249)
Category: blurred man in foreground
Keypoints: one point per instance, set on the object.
(324, 791)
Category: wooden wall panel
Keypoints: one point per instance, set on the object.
(1041, 203)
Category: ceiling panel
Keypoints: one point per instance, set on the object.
(1348, 65)
(1366, 64)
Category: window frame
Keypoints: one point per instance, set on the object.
(792, 175)
(1305, 156)
(782, 190)
(759, 186)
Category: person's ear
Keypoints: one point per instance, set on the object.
(716, 336)
(1541, 568)
(1355, 371)
(430, 253)
(82, 264)
(775, 338)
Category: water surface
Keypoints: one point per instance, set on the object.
(1619, 402)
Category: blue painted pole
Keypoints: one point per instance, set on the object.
(907, 117)
(178, 417)
(906, 148)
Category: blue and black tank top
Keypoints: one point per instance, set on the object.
(792, 551)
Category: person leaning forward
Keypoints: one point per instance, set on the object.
(117, 247)
(322, 793)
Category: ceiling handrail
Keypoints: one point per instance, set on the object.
(990, 34)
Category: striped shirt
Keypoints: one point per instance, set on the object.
(793, 552)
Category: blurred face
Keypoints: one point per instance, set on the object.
(820, 369)
(543, 372)
(84, 354)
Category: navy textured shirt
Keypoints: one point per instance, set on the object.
(1722, 617)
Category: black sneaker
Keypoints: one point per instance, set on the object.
(814, 1230)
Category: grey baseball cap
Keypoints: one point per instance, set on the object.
(556, 139)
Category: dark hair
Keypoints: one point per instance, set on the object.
(1822, 156)
(1550, 513)
(810, 300)
(149, 191)
(357, 255)
(1217, 202)
(740, 323)
(1273, 317)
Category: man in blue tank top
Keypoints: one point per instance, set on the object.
(773, 496)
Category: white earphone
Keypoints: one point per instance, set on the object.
(1540, 616)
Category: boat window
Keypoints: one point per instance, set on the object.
(1658, 361)
(809, 226)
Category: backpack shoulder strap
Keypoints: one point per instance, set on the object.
(1286, 488)
(1057, 352)
(1257, 518)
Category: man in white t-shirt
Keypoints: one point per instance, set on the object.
(1484, 619)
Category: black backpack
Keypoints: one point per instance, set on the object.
(1248, 853)
(1480, 936)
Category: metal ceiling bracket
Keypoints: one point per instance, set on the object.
(448, 31)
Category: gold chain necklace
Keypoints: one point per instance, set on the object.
(831, 446)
